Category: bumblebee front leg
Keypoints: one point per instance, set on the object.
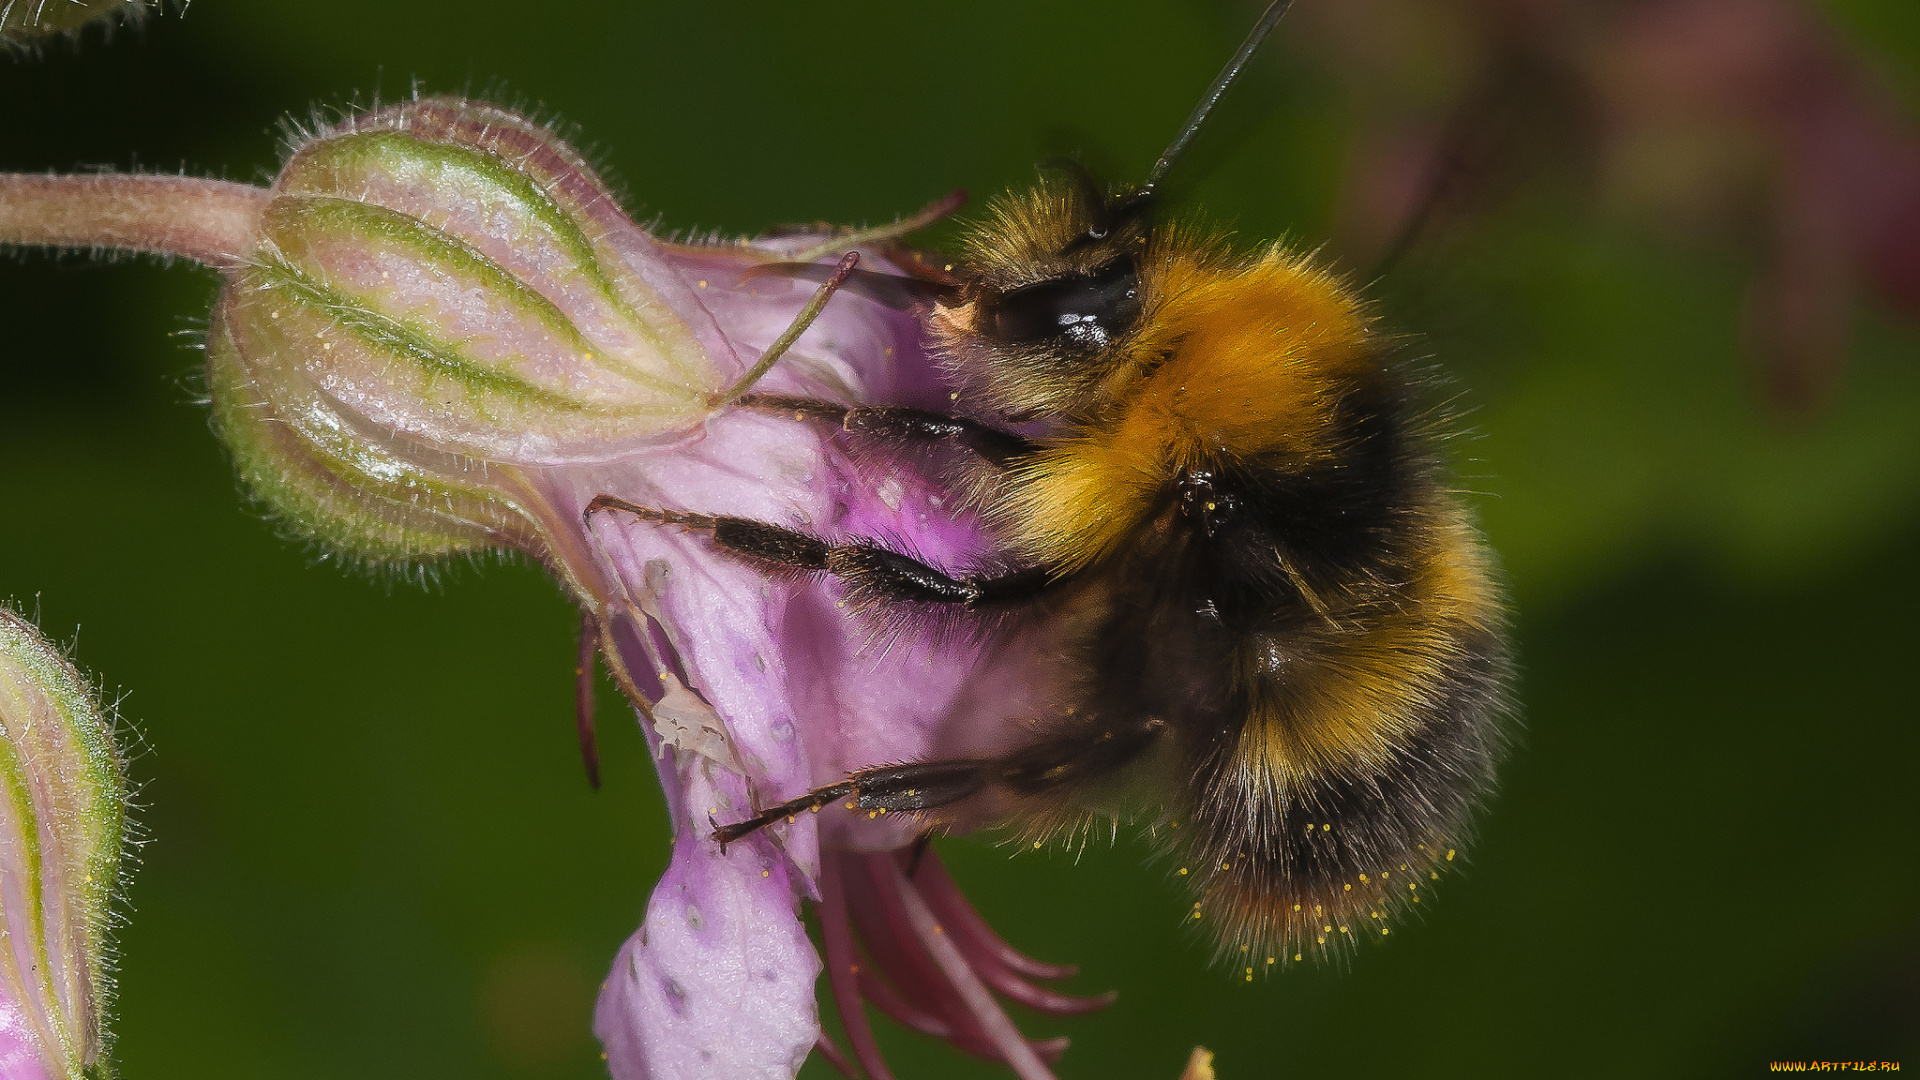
(891, 424)
(871, 571)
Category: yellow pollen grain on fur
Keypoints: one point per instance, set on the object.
(1343, 929)
(1244, 948)
(1432, 874)
(1326, 828)
(851, 806)
(1385, 874)
(1196, 914)
(1036, 845)
(1269, 959)
(1449, 854)
(1183, 873)
(813, 809)
(1384, 931)
(888, 351)
(1347, 887)
(789, 819)
(1225, 866)
(1296, 907)
(1296, 956)
(1326, 929)
(1320, 941)
(1316, 909)
(1363, 879)
(1416, 899)
(765, 873)
(703, 283)
(871, 814)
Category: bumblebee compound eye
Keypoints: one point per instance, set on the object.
(1083, 311)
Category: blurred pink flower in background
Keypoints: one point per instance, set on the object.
(1743, 118)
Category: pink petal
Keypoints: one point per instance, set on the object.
(19, 1049)
(719, 979)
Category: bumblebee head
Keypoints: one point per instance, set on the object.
(1054, 298)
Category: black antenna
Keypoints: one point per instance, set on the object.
(1212, 97)
(1109, 215)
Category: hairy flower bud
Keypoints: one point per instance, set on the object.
(62, 807)
(442, 294)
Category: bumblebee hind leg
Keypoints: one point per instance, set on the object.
(912, 788)
(1062, 762)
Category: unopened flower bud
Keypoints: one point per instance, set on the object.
(443, 293)
(62, 808)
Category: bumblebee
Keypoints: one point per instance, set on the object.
(1282, 625)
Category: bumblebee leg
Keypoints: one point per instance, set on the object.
(890, 788)
(1082, 754)
(901, 425)
(874, 572)
(1086, 753)
(942, 207)
(791, 334)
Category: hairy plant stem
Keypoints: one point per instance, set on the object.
(209, 221)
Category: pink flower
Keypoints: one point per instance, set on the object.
(439, 333)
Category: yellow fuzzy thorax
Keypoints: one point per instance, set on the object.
(1234, 364)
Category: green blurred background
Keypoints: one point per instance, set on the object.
(370, 849)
